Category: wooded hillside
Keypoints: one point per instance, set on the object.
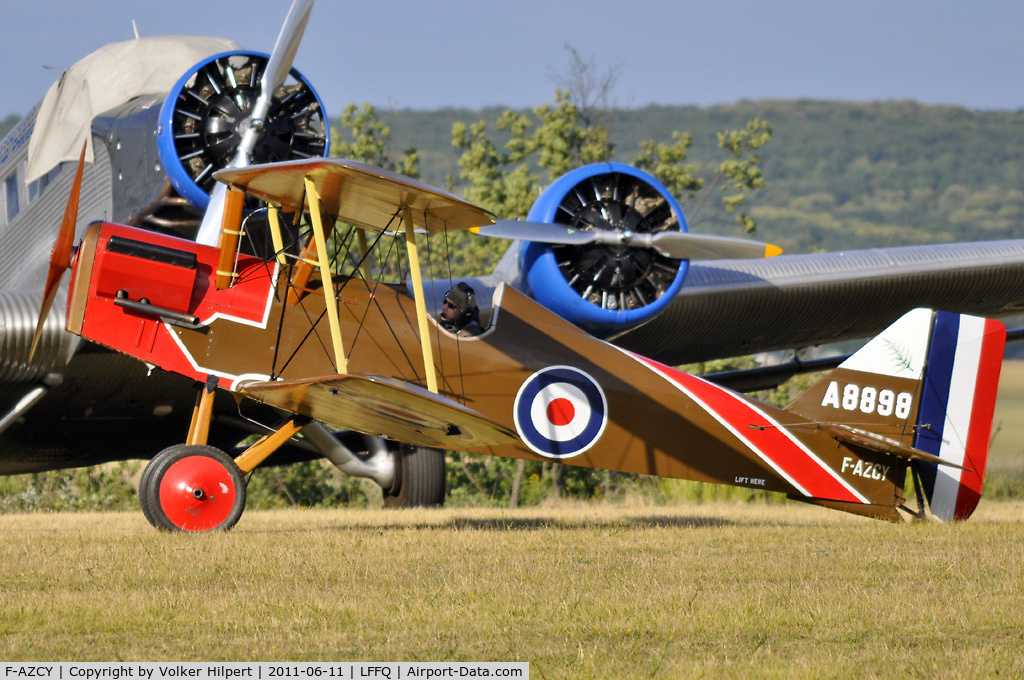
(839, 175)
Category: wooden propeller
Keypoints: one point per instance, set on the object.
(60, 256)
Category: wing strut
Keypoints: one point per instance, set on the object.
(273, 210)
(251, 458)
(230, 232)
(330, 299)
(421, 305)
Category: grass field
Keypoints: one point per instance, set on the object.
(711, 590)
(772, 590)
(1007, 450)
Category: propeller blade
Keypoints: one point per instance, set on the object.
(277, 70)
(60, 256)
(287, 45)
(278, 67)
(679, 245)
(209, 230)
(683, 245)
(543, 232)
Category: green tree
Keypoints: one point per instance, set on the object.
(363, 136)
(366, 138)
(559, 138)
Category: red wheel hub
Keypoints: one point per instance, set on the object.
(197, 493)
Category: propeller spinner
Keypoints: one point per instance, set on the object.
(60, 256)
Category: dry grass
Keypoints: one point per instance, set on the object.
(776, 590)
(578, 591)
(1007, 452)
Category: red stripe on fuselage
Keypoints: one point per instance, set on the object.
(763, 435)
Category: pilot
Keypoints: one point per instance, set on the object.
(460, 315)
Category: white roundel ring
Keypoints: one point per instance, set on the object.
(560, 412)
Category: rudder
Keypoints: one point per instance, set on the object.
(955, 415)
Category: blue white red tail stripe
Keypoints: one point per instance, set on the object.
(772, 442)
(957, 405)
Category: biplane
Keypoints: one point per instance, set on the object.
(291, 331)
(162, 115)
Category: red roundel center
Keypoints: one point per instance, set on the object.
(561, 412)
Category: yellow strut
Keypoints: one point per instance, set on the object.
(363, 248)
(230, 230)
(261, 450)
(325, 276)
(275, 233)
(421, 305)
(199, 430)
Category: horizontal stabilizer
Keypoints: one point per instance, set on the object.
(881, 444)
(357, 193)
(380, 406)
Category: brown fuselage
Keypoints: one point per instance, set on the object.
(620, 411)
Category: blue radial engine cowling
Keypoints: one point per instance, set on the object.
(200, 123)
(605, 289)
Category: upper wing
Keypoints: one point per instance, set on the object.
(729, 308)
(379, 406)
(357, 193)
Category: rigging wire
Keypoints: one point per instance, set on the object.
(294, 244)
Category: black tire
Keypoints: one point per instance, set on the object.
(419, 478)
(146, 493)
(182, 485)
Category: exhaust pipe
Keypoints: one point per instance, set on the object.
(379, 466)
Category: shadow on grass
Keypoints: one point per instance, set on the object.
(533, 523)
(518, 524)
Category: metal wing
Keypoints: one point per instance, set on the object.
(730, 308)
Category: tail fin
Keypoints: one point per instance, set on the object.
(955, 414)
(924, 389)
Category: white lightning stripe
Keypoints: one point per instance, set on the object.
(963, 382)
(249, 322)
(232, 378)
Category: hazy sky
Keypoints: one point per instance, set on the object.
(476, 53)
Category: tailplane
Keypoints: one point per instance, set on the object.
(923, 390)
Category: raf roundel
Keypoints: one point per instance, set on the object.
(560, 412)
